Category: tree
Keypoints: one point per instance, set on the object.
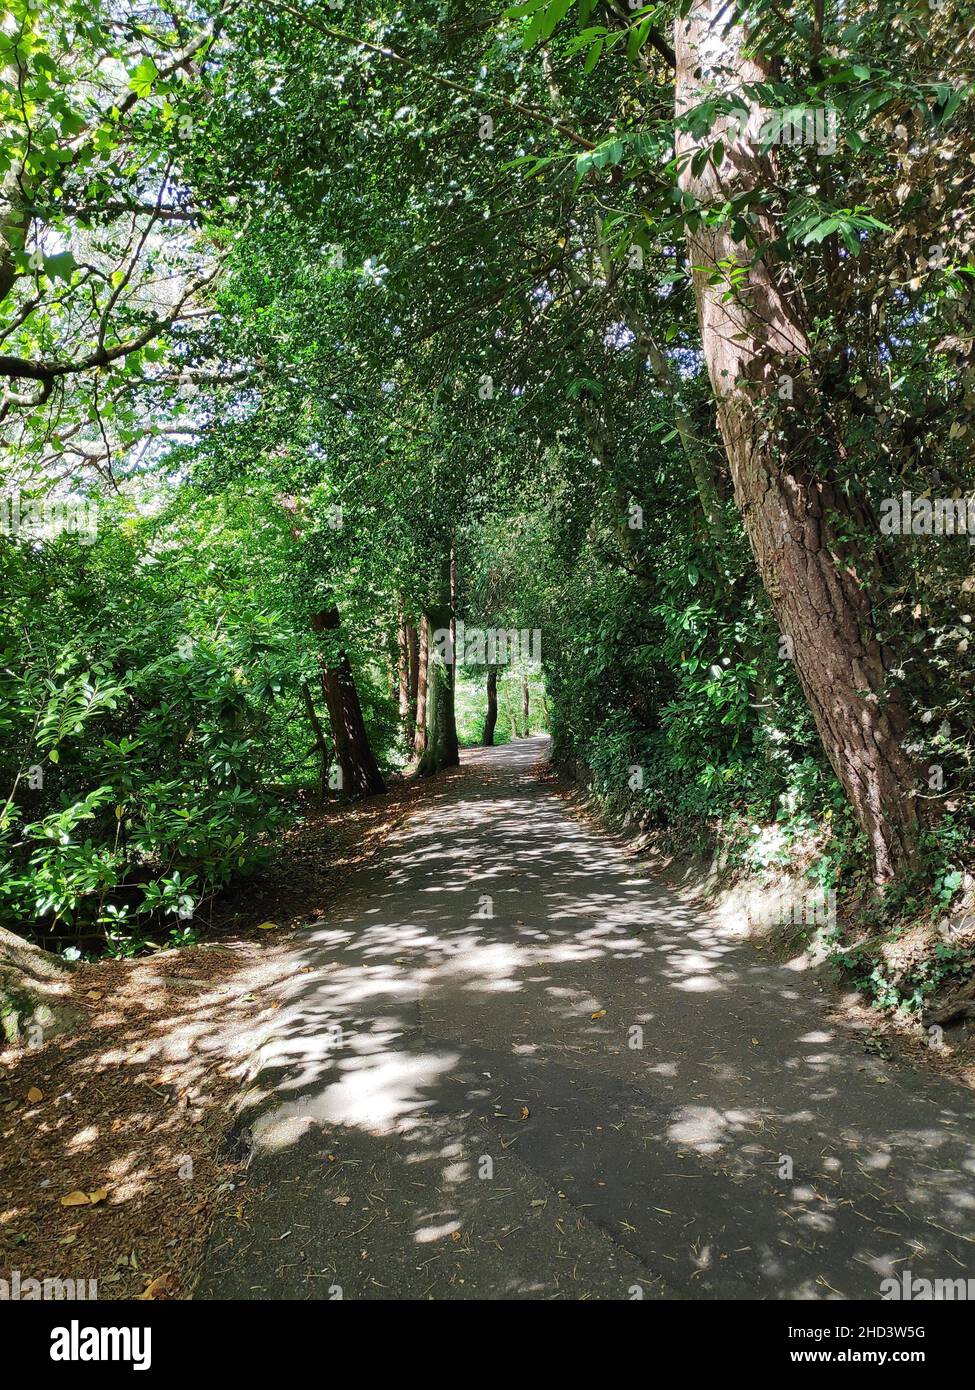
(801, 523)
(491, 716)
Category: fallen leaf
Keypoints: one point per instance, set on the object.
(600, 1013)
(267, 926)
(156, 1288)
(75, 1199)
(525, 1112)
(34, 1095)
(341, 1201)
(99, 1196)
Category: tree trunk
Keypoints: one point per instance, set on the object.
(526, 724)
(403, 670)
(491, 718)
(412, 673)
(422, 680)
(357, 763)
(356, 760)
(441, 742)
(755, 338)
(435, 752)
(451, 744)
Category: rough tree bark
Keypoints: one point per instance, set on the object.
(422, 678)
(408, 678)
(781, 454)
(491, 718)
(412, 672)
(403, 669)
(353, 752)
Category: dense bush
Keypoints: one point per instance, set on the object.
(150, 719)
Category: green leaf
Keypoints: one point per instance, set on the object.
(61, 266)
(142, 77)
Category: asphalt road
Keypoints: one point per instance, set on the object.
(437, 1113)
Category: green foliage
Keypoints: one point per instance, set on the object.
(303, 317)
(137, 715)
(908, 990)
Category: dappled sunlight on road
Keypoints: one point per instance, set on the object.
(505, 991)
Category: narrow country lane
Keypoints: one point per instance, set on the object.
(437, 1113)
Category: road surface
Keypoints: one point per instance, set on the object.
(438, 1114)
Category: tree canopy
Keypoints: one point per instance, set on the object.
(325, 326)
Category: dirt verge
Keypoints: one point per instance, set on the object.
(114, 1153)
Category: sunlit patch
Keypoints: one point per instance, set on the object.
(700, 1126)
(84, 1138)
(382, 1093)
(425, 1235)
(875, 1161)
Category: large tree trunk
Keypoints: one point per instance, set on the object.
(353, 752)
(491, 718)
(408, 678)
(434, 755)
(412, 673)
(451, 743)
(403, 670)
(780, 454)
(422, 680)
(17, 190)
(441, 728)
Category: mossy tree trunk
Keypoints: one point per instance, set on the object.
(441, 726)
